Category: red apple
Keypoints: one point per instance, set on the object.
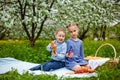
(70, 53)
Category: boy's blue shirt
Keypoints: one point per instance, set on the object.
(61, 51)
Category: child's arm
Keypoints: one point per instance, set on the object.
(53, 47)
(69, 50)
(69, 54)
(54, 53)
(82, 51)
(49, 47)
(62, 52)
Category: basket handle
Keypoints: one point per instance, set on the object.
(108, 45)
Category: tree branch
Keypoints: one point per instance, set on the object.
(33, 23)
(22, 13)
(83, 35)
(42, 23)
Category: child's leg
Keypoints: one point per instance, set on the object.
(88, 69)
(76, 68)
(53, 65)
(57, 65)
(87, 66)
(35, 68)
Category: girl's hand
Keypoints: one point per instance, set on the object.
(69, 54)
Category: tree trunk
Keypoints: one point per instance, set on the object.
(103, 33)
(95, 33)
(32, 43)
(2, 35)
(83, 35)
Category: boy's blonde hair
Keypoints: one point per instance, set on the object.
(59, 29)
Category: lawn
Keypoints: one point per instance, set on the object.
(21, 50)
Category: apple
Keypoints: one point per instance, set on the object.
(70, 53)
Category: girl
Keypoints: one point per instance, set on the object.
(75, 54)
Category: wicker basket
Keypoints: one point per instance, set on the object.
(114, 60)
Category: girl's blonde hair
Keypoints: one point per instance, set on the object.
(72, 24)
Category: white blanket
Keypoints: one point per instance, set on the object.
(7, 64)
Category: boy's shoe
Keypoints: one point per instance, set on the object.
(35, 68)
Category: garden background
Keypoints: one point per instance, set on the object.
(27, 26)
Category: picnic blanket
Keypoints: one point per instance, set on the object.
(8, 63)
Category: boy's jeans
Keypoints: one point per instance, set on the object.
(50, 65)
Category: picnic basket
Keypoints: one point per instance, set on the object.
(112, 61)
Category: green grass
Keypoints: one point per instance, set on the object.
(90, 48)
(21, 50)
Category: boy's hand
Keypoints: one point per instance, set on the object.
(54, 53)
(53, 46)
